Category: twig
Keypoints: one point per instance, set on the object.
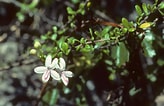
(3, 37)
(41, 93)
(103, 16)
(115, 41)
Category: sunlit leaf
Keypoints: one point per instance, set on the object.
(70, 11)
(145, 25)
(125, 22)
(138, 10)
(161, 5)
(144, 7)
(54, 36)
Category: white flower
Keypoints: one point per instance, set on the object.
(48, 69)
(61, 66)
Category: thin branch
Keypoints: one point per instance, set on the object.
(41, 94)
(114, 41)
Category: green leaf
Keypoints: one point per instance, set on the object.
(112, 76)
(156, 1)
(72, 40)
(47, 97)
(87, 48)
(75, 1)
(108, 62)
(54, 96)
(54, 36)
(98, 34)
(127, 25)
(160, 62)
(147, 44)
(145, 25)
(64, 47)
(82, 41)
(70, 11)
(54, 29)
(91, 33)
(55, 49)
(21, 16)
(51, 97)
(151, 77)
(81, 6)
(138, 10)
(144, 7)
(60, 54)
(124, 73)
(120, 54)
(161, 8)
(132, 29)
(125, 22)
(44, 37)
(106, 51)
(33, 4)
(105, 30)
(78, 47)
(161, 5)
(134, 91)
(131, 24)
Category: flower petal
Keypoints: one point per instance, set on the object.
(40, 69)
(64, 79)
(62, 63)
(68, 73)
(55, 63)
(55, 75)
(46, 76)
(48, 61)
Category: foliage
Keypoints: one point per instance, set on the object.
(116, 46)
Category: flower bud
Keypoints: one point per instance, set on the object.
(37, 44)
(33, 51)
